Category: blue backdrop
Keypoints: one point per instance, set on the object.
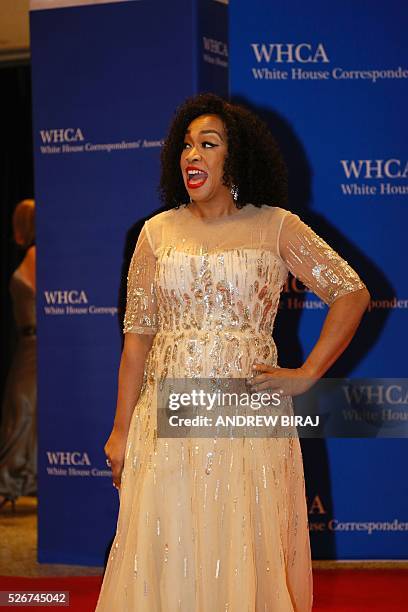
(331, 81)
(106, 81)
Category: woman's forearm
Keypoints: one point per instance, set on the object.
(130, 378)
(339, 327)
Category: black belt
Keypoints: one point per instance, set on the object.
(28, 330)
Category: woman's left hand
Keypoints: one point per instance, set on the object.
(285, 381)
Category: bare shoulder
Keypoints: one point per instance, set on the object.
(31, 253)
(27, 267)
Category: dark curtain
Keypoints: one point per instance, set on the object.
(16, 183)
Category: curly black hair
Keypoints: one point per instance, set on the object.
(254, 162)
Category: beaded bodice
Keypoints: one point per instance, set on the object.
(214, 285)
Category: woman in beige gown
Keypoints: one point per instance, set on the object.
(215, 524)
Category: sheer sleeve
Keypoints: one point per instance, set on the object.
(141, 302)
(310, 259)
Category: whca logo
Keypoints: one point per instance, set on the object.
(66, 296)
(60, 135)
(68, 458)
(375, 168)
(290, 53)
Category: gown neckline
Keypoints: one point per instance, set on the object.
(217, 220)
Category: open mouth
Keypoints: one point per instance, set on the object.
(195, 177)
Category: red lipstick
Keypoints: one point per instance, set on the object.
(196, 177)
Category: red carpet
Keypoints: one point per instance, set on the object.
(335, 590)
(360, 590)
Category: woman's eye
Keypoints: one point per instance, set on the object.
(203, 144)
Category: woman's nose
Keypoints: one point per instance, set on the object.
(193, 155)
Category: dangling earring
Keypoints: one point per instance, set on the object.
(234, 192)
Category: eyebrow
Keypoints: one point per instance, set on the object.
(208, 132)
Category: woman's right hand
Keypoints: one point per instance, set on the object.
(115, 449)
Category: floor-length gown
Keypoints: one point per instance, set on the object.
(18, 432)
(214, 524)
